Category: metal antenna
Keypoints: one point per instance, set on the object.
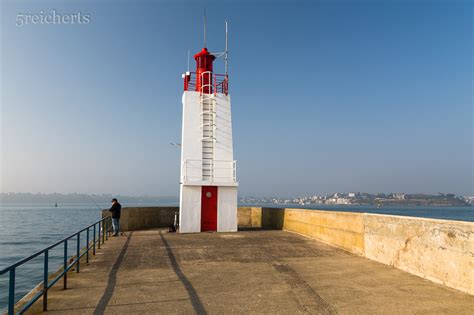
(226, 48)
(188, 60)
(205, 22)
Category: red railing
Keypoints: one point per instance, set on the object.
(220, 83)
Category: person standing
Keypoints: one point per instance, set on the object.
(115, 209)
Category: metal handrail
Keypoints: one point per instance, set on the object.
(220, 82)
(103, 224)
(216, 165)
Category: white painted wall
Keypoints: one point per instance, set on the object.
(224, 148)
(191, 144)
(223, 171)
(190, 209)
(227, 209)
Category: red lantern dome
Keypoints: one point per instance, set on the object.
(204, 63)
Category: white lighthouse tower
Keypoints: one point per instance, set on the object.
(208, 189)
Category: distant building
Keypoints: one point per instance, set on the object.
(469, 200)
(338, 201)
(399, 196)
(343, 201)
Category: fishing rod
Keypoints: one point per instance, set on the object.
(95, 203)
(98, 207)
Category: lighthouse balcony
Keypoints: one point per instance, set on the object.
(206, 82)
(209, 172)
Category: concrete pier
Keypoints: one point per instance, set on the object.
(253, 271)
(439, 250)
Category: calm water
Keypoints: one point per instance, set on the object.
(26, 229)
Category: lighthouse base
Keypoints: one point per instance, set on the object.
(207, 208)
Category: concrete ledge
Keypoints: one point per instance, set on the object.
(142, 218)
(439, 250)
(249, 217)
(341, 229)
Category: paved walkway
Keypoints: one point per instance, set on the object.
(273, 272)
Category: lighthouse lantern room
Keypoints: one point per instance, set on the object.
(208, 189)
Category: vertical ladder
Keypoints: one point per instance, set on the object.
(208, 114)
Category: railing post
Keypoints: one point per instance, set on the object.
(185, 171)
(11, 293)
(98, 236)
(93, 240)
(215, 84)
(87, 246)
(107, 227)
(226, 85)
(45, 281)
(78, 251)
(103, 232)
(234, 171)
(65, 266)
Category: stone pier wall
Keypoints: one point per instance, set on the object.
(142, 218)
(249, 217)
(439, 250)
(341, 229)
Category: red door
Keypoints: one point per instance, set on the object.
(209, 208)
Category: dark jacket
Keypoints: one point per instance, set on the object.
(115, 209)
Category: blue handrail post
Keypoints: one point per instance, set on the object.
(78, 251)
(45, 281)
(11, 293)
(65, 266)
(100, 229)
(87, 246)
(103, 232)
(93, 240)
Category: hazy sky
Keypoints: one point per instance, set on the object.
(327, 96)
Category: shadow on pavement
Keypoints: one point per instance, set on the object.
(109, 290)
(195, 300)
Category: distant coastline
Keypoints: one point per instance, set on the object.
(366, 199)
(74, 198)
(356, 199)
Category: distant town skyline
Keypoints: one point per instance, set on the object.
(327, 96)
(87, 197)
